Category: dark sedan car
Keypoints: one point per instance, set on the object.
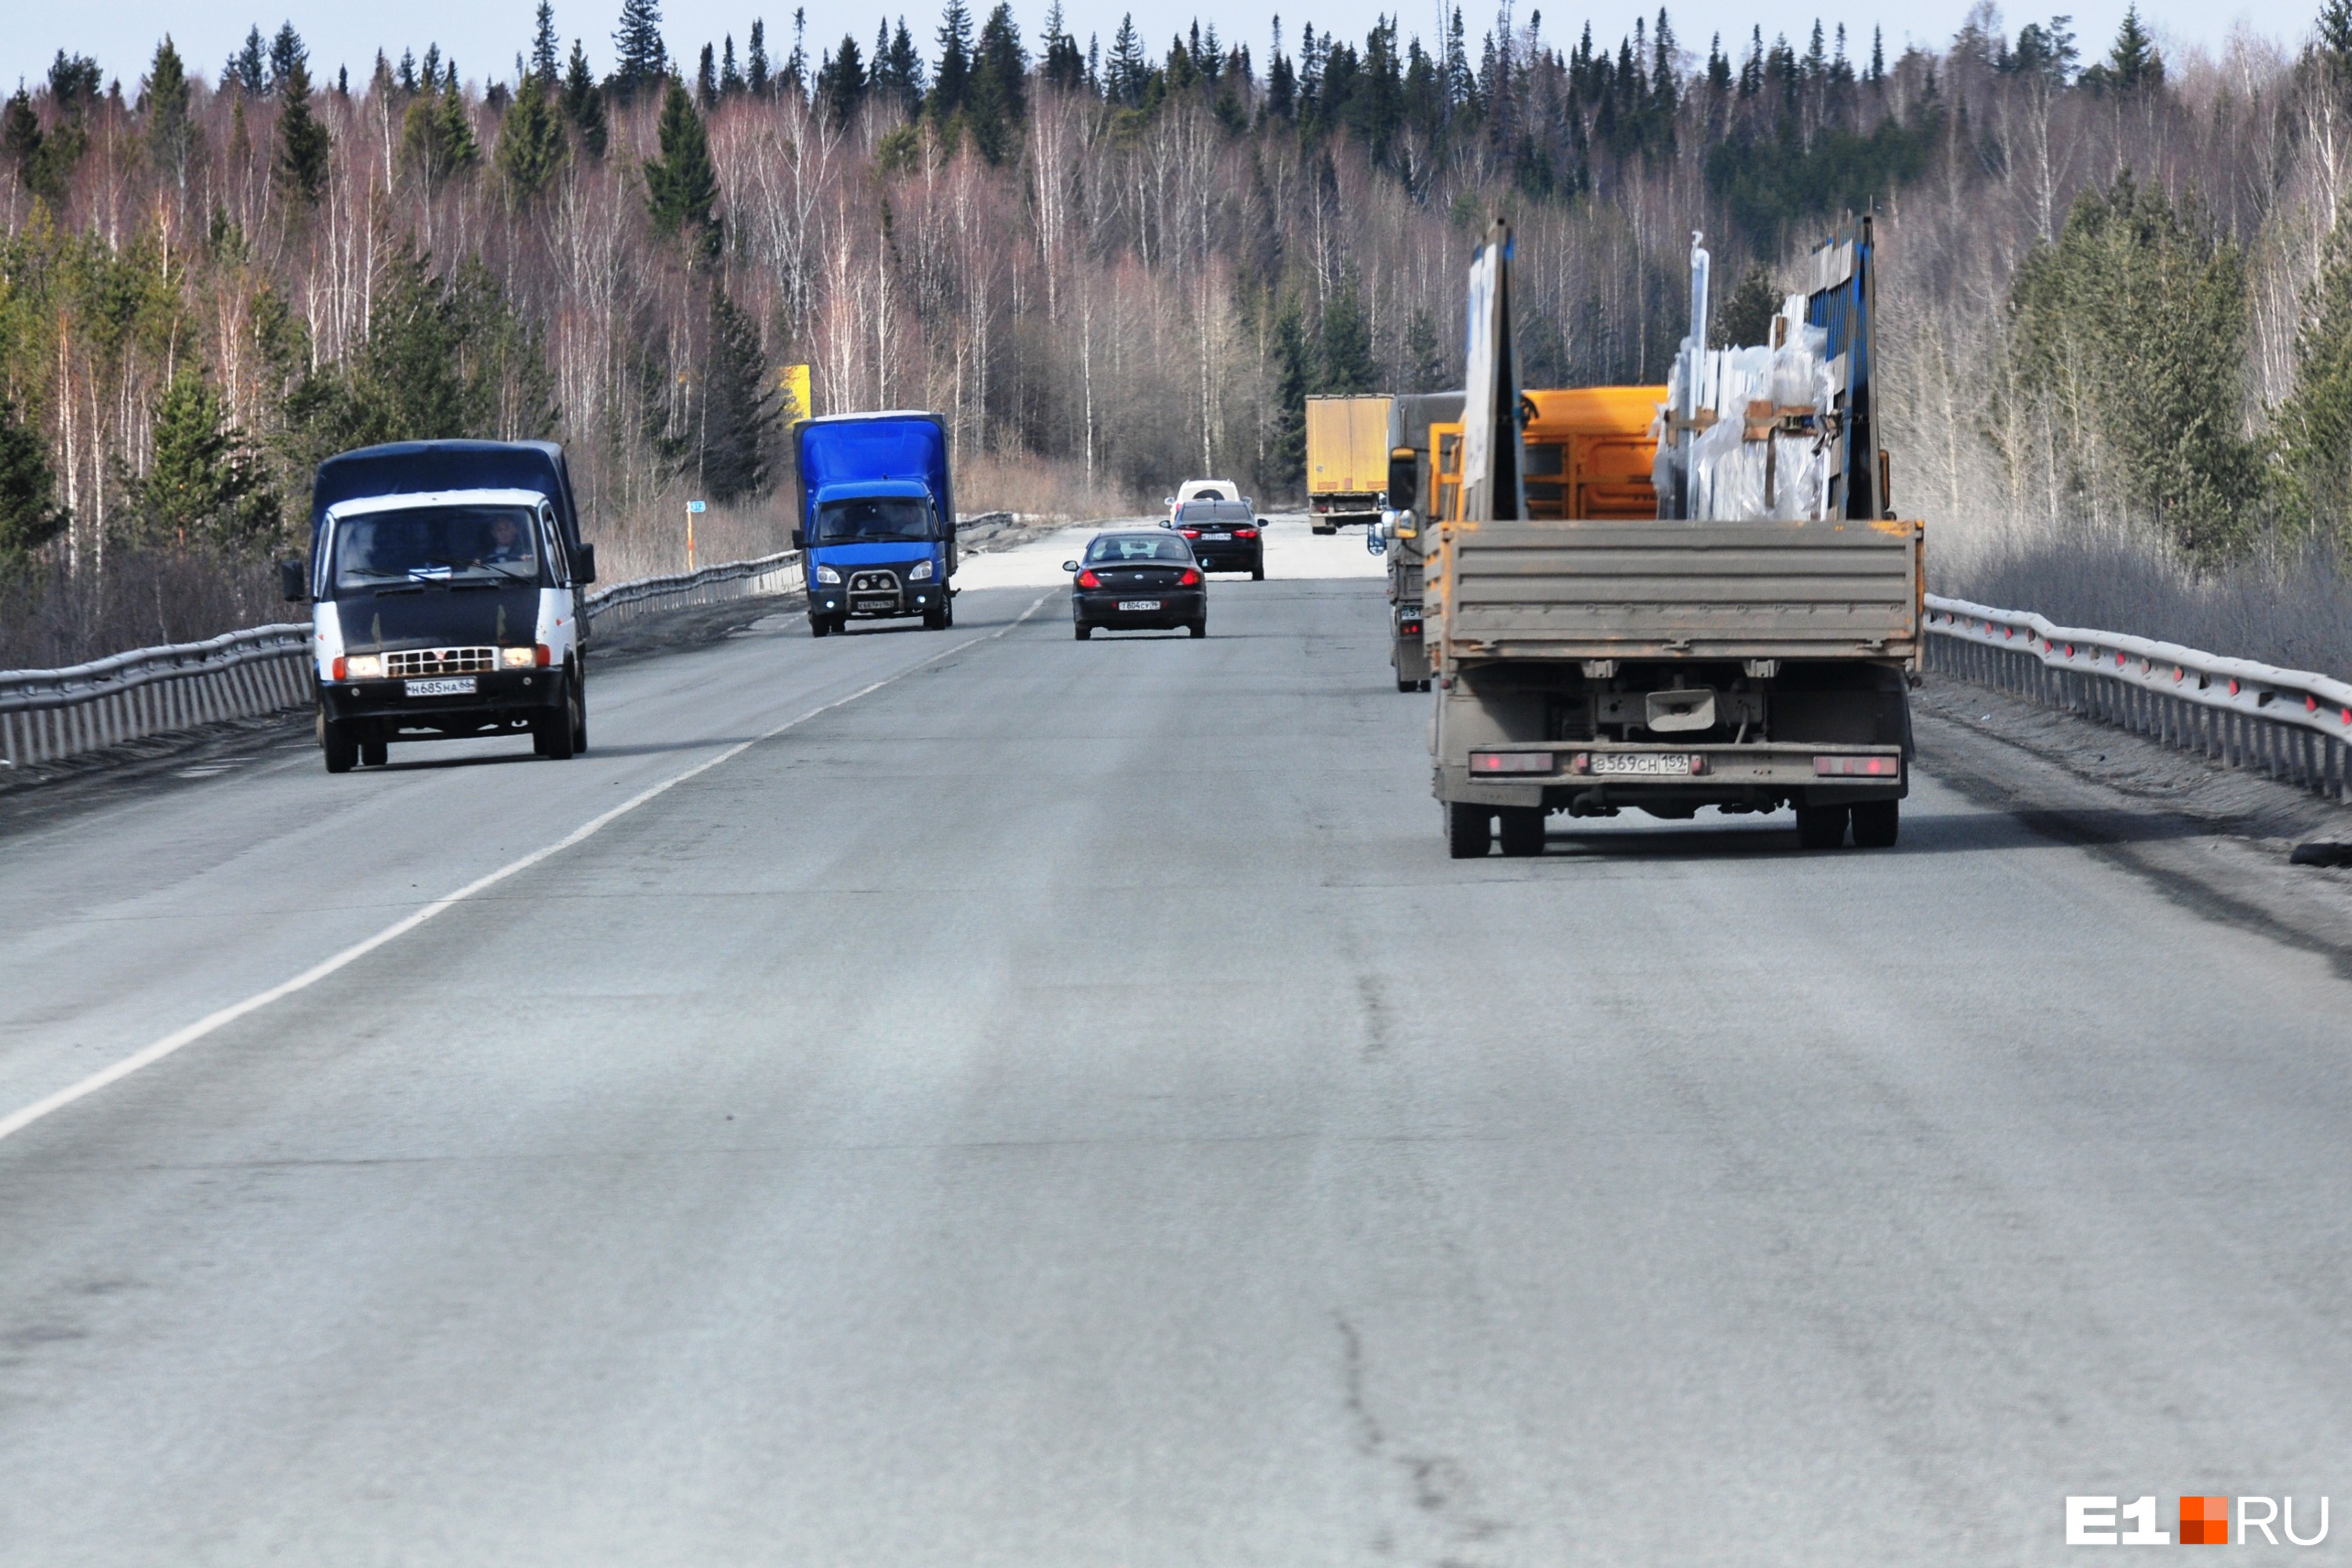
(1139, 579)
(1225, 536)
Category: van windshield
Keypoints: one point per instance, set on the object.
(436, 544)
(871, 518)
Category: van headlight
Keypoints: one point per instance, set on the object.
(827, 576)
(518, 657)
(922, 574)
(363, 666)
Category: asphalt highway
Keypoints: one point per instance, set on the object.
(1026, 1102)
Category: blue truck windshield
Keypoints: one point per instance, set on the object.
(436, 543)
(875, 517)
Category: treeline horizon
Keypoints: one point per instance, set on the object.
(2111, 283)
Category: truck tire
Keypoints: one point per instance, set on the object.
(1522, 830)
(1422, 685)
(1820, 826)
(1876, 824)
(341, 748)
(1404, 685)
(1319, 528)
(1469, 830)
(580, 712)
(552, 734)
(374, 753)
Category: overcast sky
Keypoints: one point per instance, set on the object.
(484, 34)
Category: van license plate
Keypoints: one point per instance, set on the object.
(1138, 603)
(1642, 763)
(454, 685)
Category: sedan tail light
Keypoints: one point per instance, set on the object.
(1088, 580)
(1190, 532)
(1190, 579)
(1245, 534)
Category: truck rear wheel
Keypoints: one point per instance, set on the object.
(1876, 824)
(1404, 685)
(1322, 527)
(1523, 829)
(1820, 826)
(1469, 830)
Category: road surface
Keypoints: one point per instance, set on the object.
(1032, 1102)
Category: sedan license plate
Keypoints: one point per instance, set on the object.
(450, 686)
(1216, 536)
(1138, 603)
(1642, 764)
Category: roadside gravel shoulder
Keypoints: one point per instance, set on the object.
(2216, 839)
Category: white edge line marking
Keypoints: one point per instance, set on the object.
(17, 1121)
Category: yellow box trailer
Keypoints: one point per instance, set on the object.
(1347, 460)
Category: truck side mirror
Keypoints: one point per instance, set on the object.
(290, 584)
(583, 565)
(800, 540)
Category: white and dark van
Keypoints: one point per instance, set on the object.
(447, 582)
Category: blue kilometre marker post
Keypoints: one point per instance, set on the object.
(692, 508)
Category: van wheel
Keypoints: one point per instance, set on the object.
(1523, 830)
(374, 753)
(1469, 830)
(819, 625)
(936, 620)
(552, 734)
(1421, 685)
(1876, 824)
(342, 749)
(1820, 826)
(579, 710)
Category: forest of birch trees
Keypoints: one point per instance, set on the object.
(2115, 286)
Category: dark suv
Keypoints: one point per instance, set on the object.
(1225, 536)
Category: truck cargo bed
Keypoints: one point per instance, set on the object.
(1833, 589)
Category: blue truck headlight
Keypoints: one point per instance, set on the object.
(828, 575)
(922, 574)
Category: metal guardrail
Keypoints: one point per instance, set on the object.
(46, 714)
(625, 602)
(2288, 724)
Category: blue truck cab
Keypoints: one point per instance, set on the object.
(876, 519)
(447, 583)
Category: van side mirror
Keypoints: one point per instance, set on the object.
(583, 565)
(290, 584)
(800, 540)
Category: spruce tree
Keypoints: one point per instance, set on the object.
(898, 70)
(1348, 364)
(171, 134)
(739, 413)
(530, 143)
(29, 515)
(303, 141)
(706, 82)
(1425, 354)
(1128, 67)
(584, 103)
(998, 97)
(681, 186)
(755, 61)
(288, 54)
(1294, 379)
(544, 65)
(731, 77)
(247, 70)
(2311, 433)
(952, 80)
(841, 82)
(204, 484)
(640, 57)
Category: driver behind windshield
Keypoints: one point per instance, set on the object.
(509, 542)
(870, 519)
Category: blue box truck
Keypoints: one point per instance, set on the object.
(876, 519)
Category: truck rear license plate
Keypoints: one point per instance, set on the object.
(1642, 764)
(452, 686)
(1138, 603)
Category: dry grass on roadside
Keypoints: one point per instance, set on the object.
(1037, 487)
(2282, 605)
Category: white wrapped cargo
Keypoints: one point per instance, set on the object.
(1756, 427)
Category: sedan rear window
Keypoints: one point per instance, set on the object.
(1118, 547)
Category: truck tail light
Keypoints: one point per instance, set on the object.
(1857, 767)
(1698, 762)
(1088, 580)
(1510, 762)
(1581, 763)
(1190, 579)
(1410, 629)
